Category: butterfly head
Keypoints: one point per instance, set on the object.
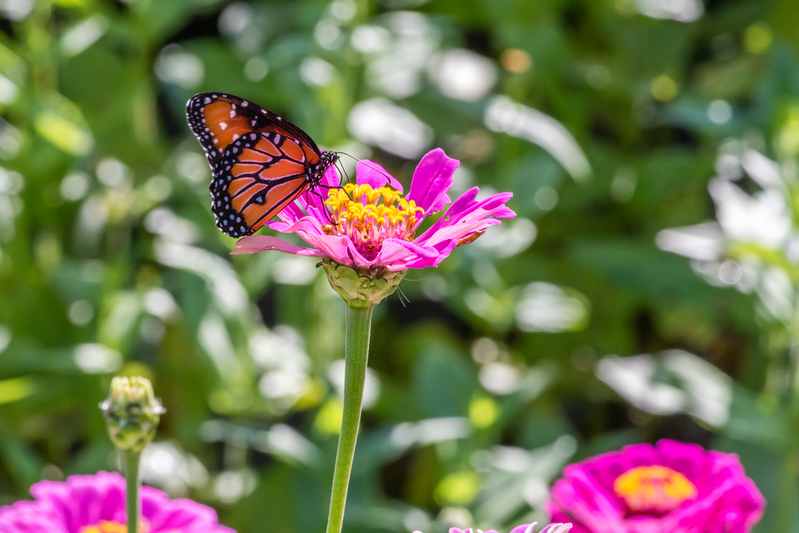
(326, 159)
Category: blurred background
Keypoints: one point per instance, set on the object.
(647, 288)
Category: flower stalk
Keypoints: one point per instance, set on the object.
(131, 462)
(365, 236)
(356, 350)
(362, 289)
(132, 413)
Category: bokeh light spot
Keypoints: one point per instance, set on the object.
(757, 38)
(459, 488)
(483, 412)
(663, 88)
(516, 60)
(719, 112)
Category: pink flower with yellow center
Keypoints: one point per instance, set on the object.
(367, 216)
(372, 225)
(668, 488)
(96, 504)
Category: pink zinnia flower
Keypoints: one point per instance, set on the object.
(96, 504)
(371, 226)
(671, 488)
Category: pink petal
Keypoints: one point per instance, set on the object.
(337, 247)
(431, 181)
(444, 249)
(263, 243)
(458, 232)
(371, 173)
(396, 254)
(558, 516)
(306, 224)
(472, 215)
(313, 201)
(331, 177)
(291, 213)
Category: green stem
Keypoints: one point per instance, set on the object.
(131, 460)
(356, 352)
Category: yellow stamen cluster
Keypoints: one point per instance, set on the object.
(368, 215)
(653, 488)
(108, 526)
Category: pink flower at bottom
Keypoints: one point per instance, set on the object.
(372, 226)
(524, 528)
(668, 488)
(96, 504)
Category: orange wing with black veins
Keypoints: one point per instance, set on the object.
(260, 174)
(218, 119)
(260, 161)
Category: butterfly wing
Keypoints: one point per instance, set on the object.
(259, 175)
(260, 161)
(218, 119)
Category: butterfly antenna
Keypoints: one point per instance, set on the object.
(344, 171)
(383, 172)
(341, 170)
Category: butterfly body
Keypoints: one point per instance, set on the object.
(261, 163)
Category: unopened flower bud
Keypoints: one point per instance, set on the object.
(362, 287)
(132, 413)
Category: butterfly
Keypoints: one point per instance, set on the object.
(260, 162)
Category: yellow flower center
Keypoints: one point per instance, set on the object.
(653, 488)
(368, 216)
(108, 526)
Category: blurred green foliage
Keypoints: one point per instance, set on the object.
(493, 374)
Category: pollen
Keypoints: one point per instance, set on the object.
(108, 526)
(653, 488)
(368, 216)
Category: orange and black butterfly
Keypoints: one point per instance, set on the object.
(260, 162)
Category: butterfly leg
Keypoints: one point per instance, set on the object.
(324, 207)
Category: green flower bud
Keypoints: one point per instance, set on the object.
(362, 288)
(132, 413)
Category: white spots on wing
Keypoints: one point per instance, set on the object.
(253, 123)
(216, 141)
(244, 103)
(235, 136)
(252, 136)
(207, 100)
(223, 126)
(232, 113)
